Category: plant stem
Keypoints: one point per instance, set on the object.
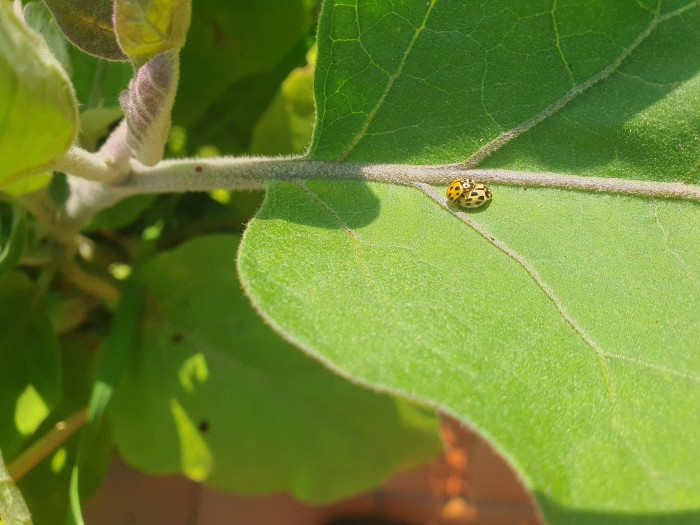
(251, 173)
(58, 435)
(86, 165)
(255, 172)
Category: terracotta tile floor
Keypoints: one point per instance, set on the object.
(469, 484)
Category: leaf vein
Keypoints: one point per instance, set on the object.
(652, 366)
(539, 281)
(390, 83)
(557, 43)
(389, 306)
(505, 137)
(344, 228)
(667, 242)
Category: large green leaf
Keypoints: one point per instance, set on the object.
(562, 325)
(216, 395)
(454, 76)
(38, 111)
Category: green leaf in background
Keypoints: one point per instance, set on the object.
(45, 487)
(30, 371)
(562, 325)
(96, 124)
(229, 122)
(98, 82)
(147, 28)
(39, 18)
(13, 509)
(286, 126)
(216, 395)
(115, 355)
(230, 41)
(122, 214)
(38, 111)
(88, 24)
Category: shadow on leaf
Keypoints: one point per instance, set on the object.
(324, 204)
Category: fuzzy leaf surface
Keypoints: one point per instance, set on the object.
(147, 106)
(38, 111)
(543, 325)
(88, 24)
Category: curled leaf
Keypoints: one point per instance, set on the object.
(147, 106)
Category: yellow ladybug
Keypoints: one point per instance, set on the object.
(468, 193)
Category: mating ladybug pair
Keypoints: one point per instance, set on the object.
(468, 193)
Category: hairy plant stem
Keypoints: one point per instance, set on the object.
(88, 165)
(247, 173)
